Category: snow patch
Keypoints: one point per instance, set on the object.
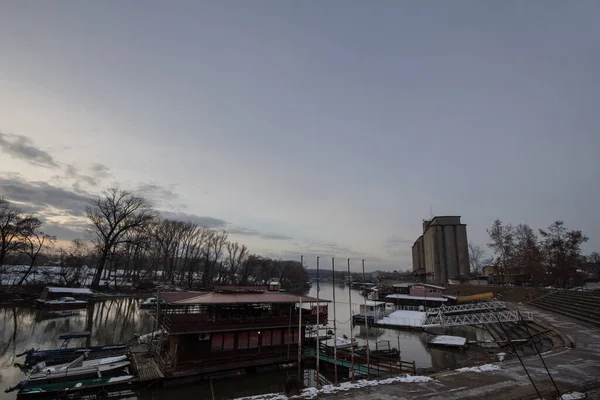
(121, 378)
(404, 318)
(449, 340)
(572, 396)
(311, 392)
(480, 368)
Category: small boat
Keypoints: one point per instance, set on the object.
(72, 386)
(81, 361)
(340, 343)
(62, 303)
(65, 355)
(448, 341)
(73, 371)
(150, 303)
(149, 336)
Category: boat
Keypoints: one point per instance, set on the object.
(447, 341)
(149, 336)
(36, 390)
(150, 303)
(62, 303)
(81, 361)
(75, 370)
(340, 343)
(372, 311)
(65, 355)
(233, 328)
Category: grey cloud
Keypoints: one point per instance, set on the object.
(73, 172)
(398, 247)
(275, 236)
(64, 231)
(40, 195)
(157, 195)
(22, 147)
(243, 231)
(206, 222)
(100, 171)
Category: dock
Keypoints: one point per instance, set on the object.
(144, 364)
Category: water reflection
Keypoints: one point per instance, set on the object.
(118, 320)
(21, 328)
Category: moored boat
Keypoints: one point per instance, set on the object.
(71, 372)
(340, 343)
(37, 390)
(81, 361)
(62, 303)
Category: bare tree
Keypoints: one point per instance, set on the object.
(9, 229)
(236, 256)
(502, 242)
(528, 254)
(111, 216)
(211, 253)
(32, 242)
(562, 249)
(476, 254)
(73, 263)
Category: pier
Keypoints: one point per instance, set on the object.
(145, 366)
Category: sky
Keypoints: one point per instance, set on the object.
(328, 128)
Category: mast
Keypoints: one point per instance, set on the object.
(334, 324)
(351, 321)
(318, 312)
(300, 330)
(366, 321)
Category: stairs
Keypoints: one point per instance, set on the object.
(583, 306)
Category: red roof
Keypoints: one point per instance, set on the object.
(190, 298)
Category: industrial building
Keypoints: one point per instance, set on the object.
(442, 251)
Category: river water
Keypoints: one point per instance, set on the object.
(118, 320)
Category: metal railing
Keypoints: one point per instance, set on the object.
(488, 305)
(476, 319)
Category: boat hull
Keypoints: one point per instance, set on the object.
(61, 306)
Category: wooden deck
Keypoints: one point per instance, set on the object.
(146, 368)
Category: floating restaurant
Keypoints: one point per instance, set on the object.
(232, 328)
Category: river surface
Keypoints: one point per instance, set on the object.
(118, 320)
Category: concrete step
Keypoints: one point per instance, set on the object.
(576, 296)
(584, 310)
(567, 313)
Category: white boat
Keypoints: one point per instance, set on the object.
(79, 362)
(340, 343)
(76, 372)
(149, 336)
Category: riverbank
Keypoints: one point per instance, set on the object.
(25, 295)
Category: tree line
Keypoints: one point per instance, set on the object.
(127, 240)
(551, 256)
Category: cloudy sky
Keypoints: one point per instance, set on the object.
(313, 127)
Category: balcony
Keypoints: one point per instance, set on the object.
(198, 323)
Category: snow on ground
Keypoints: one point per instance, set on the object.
(480, 368)
(572, 396)
(404, 318)
(449, 340)
(311, 392)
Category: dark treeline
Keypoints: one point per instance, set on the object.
(552, 256)
(128, 240)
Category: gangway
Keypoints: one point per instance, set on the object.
(476, 319)
(464, 308)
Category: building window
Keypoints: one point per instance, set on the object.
(217, 341)
(265, 338)
(243, 340)
(229, 341)
(253, 341)
(276, 339)
(288, 336)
